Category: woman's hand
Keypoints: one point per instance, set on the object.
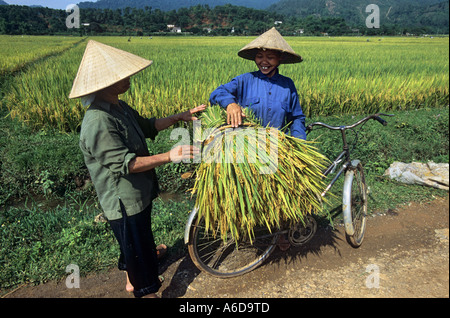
(183, 153)
(176, 155)
(187, 115)
(164, 123)
(234, 115)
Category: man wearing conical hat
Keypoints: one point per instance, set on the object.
(272, 97)
(113, 142)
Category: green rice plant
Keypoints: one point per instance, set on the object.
(39, 96)
(234, 190)
(360, 75)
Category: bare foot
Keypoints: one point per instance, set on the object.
(161, 250)
(129, 287)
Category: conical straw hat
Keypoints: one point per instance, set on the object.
(271, 40)
(103, 66)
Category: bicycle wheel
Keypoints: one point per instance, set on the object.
(225, 260)
(355, 202)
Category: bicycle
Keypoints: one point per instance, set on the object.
(225, 260)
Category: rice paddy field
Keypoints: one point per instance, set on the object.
(19, 51)
(348, 75)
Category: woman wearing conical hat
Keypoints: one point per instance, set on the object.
(272, 97)
(113, 142)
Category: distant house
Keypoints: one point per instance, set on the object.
(173, 28)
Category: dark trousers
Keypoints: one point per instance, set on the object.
(138, 251)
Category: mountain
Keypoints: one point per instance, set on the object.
(405, 12)
(3, 3)
(167, 5)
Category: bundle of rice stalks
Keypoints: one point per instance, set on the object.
(254, 176)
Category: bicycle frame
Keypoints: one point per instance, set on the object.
(344, 156)
(333, 167)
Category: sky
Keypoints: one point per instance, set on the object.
(55, 4)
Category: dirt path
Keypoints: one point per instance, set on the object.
(405, 254)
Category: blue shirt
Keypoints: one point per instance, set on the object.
(274, 100)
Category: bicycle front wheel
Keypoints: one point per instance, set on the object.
(355, 204)
(229, 259)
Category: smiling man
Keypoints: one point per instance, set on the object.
(272, 97)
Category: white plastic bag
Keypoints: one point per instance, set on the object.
(427, 174)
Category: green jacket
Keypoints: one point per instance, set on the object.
(110, 138)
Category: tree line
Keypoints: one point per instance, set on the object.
(197, 20)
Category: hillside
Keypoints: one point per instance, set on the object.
(334, 18)
(419, 16)
(166, 5)
(403, 12)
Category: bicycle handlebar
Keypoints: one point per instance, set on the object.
(374, 117)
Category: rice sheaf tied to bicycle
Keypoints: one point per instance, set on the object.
(257, 168)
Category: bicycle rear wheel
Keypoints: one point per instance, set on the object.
(228, 259)
(355, 201)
